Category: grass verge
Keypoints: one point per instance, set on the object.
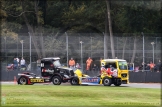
(50, 95)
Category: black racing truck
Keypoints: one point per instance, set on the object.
(51, 71)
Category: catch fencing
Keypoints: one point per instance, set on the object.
(68, 45)
(80, 46)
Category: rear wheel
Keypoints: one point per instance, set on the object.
(74, 81)
(107, 81)
(22, 81)
(56, 80)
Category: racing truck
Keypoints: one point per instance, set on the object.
(113, 71)
(51, 71)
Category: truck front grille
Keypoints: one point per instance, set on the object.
(72, 72)
(124, 75)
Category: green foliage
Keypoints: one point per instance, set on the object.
(137, 16)
(80, 16)
(54, 13)
(3, 13)
(9, 29)
(19, 8)
(40, 19)
(84, 16)
(74, 15)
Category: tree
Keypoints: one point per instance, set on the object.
(110, 28)
(54, 18)
(125, 42)
(134, 49)
(135, 17)
(106, 38)
(8, 28)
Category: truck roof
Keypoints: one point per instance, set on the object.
(51, 58)
(113, 60)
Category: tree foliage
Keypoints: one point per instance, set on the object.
(46, 17)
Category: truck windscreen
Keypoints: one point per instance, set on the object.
(57, 63)
(123, 65)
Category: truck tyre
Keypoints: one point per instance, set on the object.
(56, 80)
(117, 84)
(74, 81)
(107, 81)
(22, 81)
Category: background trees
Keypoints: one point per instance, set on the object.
(44, 19)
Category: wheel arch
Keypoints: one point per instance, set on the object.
(108, 81)
(75, 81)
(55, 75)
(27, 79)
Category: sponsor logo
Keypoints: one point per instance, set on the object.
(36, 80)
(48, 70)
(93, 80)
(46, 79)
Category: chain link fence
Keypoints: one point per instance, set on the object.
(68, 45)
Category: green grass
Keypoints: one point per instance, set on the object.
(50, 95)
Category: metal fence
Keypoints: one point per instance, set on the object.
(69, 45)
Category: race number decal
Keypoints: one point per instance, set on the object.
(36, 80)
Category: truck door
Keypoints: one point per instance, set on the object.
(47, 68)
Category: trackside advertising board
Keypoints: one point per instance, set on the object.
(90, 80)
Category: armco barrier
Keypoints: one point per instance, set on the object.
(134, 77)
(9, 75)
(153, 77)
(138, 77)
(145, 77)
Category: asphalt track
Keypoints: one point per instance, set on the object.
(134, 85)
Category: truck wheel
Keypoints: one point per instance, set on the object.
(56, 80)
(117, 84)
(74, 81)
(22, 81)
(107, 81)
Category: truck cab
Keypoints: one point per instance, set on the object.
(115, 70)
(49, 66)
(51, 71)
